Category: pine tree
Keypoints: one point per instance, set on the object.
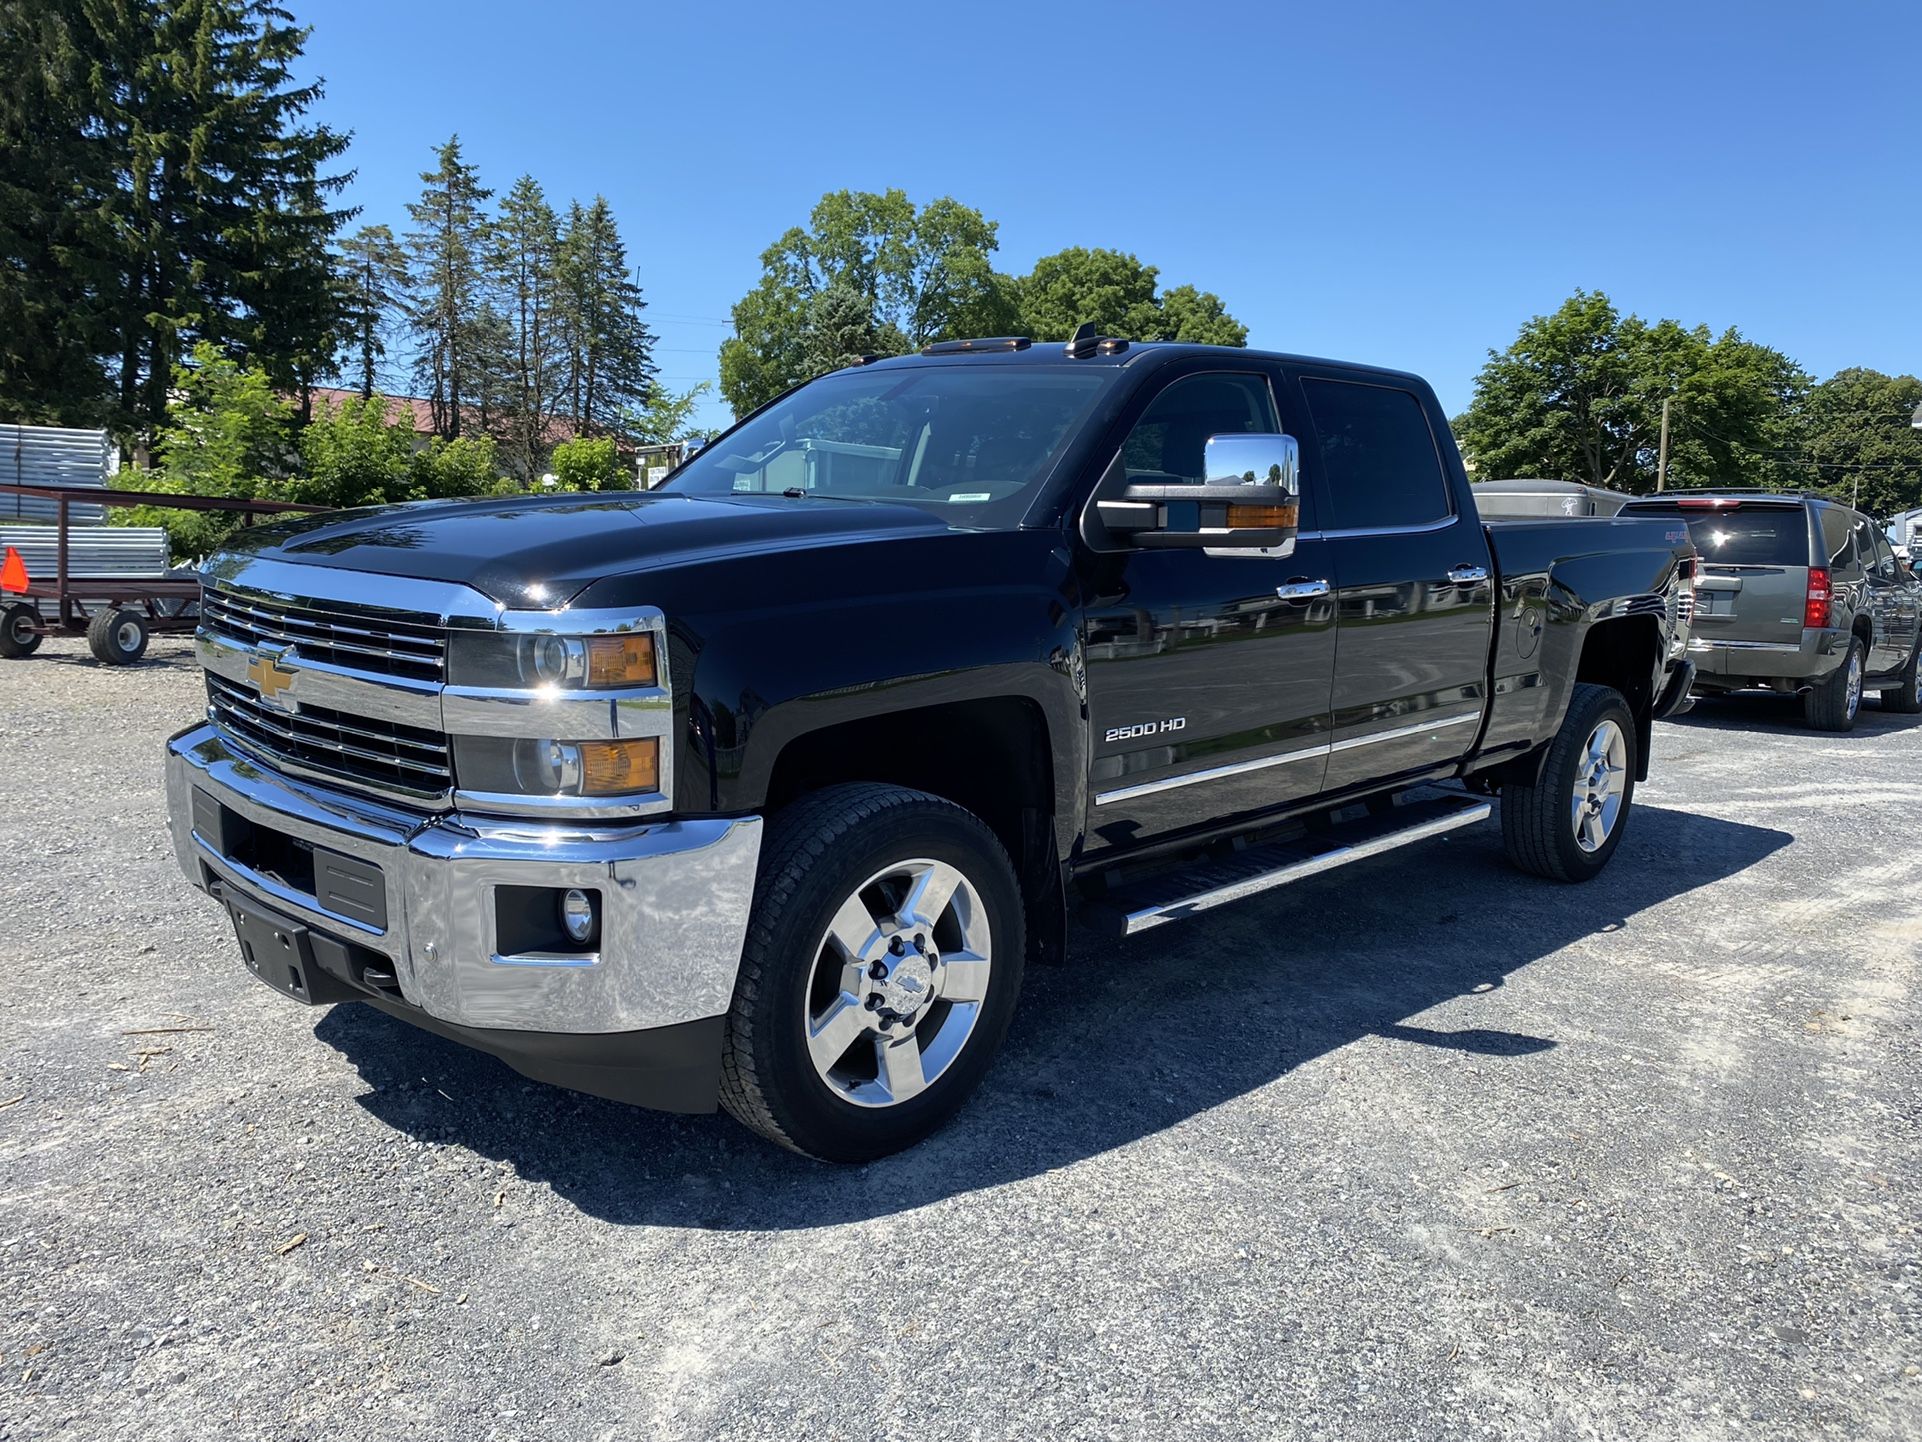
(609, 365)
(159, 188)
(445, 255)
(525, 260)
(57, 273)
(221, 199)
(374, 273)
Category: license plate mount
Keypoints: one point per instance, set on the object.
(279, 951)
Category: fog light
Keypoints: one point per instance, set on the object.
(577, 914)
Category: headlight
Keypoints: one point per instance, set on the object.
(527, 767)
(503, 659)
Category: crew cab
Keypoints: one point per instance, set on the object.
(764, 786)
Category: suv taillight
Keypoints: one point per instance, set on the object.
(1815, 611)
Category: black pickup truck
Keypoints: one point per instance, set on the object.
(762, 788)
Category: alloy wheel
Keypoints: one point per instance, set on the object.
(898, 982)
(1601, 776)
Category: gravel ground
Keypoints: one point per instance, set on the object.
(1423, 1149)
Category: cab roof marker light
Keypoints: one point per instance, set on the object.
(978, 343)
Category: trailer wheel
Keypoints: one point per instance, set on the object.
(117, 637)
(19, 630)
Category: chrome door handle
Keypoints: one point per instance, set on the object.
(1299, 590)
(1467, 575)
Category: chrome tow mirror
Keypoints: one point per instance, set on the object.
(1249, 498)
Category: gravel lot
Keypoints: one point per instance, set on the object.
(1423, 1149)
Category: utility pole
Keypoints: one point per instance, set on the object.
(1661, 464)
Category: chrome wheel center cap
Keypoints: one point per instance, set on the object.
(908, 986)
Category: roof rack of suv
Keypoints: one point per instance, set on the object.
(1740, 491)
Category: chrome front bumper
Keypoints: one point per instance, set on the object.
(675, 897)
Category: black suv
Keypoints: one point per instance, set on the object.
(1798, 594)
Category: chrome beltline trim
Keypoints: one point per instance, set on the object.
(1400, 731)
(1213, 773)
(1306, 753)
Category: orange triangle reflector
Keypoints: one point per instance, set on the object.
(13, 572)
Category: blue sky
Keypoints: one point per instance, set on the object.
(1397, 183)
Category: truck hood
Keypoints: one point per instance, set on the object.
(538, 552)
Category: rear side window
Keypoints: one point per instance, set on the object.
(1838, 537)
(1377, 455)
(1862, 538)
(1743, 534)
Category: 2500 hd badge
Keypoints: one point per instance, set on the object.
(763, 788)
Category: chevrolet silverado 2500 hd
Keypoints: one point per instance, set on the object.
(762, 787)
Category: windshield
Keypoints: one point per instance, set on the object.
(1742, 535)
(972, 442)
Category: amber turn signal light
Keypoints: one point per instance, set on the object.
(615, 768)
(626, 659)
(1264, 517)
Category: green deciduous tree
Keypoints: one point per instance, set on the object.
(922, 275)
(226, 433)
(1117, 294)
(446, 252)
(607, 349)
(590, 465)
(373, 274)
(354, 454)
(1578, 396)
(1858, 441)
(464, 466)
(667, 417)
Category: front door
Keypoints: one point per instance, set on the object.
(1207, 688)
(1416, 599)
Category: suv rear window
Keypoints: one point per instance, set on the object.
(1740, 534)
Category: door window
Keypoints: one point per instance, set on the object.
(1166, 445)
(1378, 456)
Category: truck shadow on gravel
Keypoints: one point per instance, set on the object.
(1124, 1041)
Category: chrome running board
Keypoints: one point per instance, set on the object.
(1202, 886)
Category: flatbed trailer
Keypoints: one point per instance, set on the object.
(116, 614)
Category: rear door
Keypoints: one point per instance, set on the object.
(1415, 595)
(1891, 598)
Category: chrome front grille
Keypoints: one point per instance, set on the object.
(385, 643)
(366, 751)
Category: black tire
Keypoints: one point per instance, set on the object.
(1906, 695)
(1539, 828)
(818, 852)
(19, 633)
(117, 637)
(1834, 702)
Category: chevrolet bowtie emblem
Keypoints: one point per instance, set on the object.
(269, 676)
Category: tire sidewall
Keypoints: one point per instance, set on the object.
(817, 1120)
(1609, 706)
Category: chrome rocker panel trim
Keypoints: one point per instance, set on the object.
(675, 897)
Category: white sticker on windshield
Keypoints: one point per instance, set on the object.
(966, 496)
